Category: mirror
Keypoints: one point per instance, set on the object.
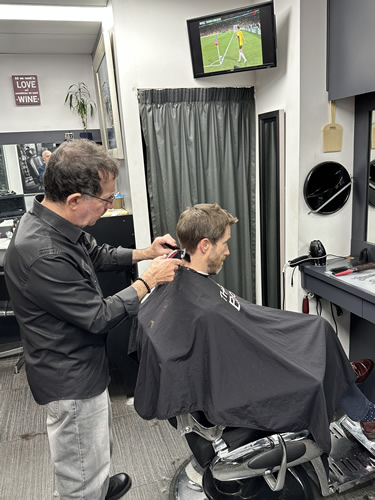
(32, 162)
(21, 160)
(3, 173)
(371, 185)
(105, 83)
(272, 206)
(363, 219)
(22, 167)
(327, 188)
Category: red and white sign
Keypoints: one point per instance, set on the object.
(26, 90)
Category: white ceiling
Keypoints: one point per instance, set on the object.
(52, 37)
(28, 36)
(73, 3)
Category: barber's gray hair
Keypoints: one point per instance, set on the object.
(78, 166)
(205, 220)
(45, 153)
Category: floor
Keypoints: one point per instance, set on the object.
(150, 451)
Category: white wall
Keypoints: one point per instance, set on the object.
(298, 86)
(333, 230)
(55, 74)
(279, 88)
(152, 51)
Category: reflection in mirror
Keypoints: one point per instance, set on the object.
(3, 173)
(371, 186)
(105, 84)
(32, 161)
(23, 157)
(22, 167)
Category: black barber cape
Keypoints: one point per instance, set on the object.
(200, 347)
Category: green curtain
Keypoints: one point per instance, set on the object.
(200, 148)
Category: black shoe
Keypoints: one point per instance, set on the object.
(118, 486)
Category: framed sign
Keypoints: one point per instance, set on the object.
(105, 84)
(26, 90)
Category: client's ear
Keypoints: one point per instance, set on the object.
(204, 245)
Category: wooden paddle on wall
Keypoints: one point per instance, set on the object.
(332, 132)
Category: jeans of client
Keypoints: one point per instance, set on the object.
(80, 439)
(354, 403)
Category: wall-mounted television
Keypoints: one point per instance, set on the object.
(242, 39)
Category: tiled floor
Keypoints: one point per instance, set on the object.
(150, 451)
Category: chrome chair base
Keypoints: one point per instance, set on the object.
(191, 482)
(349, 464)
(7, 352)
(187, 482)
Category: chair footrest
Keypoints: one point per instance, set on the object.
(349, 463)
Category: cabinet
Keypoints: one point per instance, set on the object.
(350, 58)
(114, 231)
(359, 302)
(117, 231)
(352, 298)
(12, 206)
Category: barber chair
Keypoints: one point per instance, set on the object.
(243, 464)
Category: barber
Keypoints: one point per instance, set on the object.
(50, 271)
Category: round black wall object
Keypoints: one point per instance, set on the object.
(327, 187)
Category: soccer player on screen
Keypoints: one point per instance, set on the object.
(218, 50)
(241, 41)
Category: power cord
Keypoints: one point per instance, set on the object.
(334, 319)
(307, 258)
(283, 283)
(319, 306)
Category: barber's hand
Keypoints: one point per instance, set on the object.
(155, 250)
(161, 270)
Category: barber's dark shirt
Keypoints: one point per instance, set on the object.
(50, 270)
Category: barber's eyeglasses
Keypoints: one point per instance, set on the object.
(106, 200)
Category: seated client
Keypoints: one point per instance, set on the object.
(200, 347)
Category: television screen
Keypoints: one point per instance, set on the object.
(238, 40)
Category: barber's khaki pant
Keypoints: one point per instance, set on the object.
(80, 439)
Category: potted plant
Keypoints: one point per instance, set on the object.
(80, 102)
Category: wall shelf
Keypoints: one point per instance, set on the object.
(352, 298)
